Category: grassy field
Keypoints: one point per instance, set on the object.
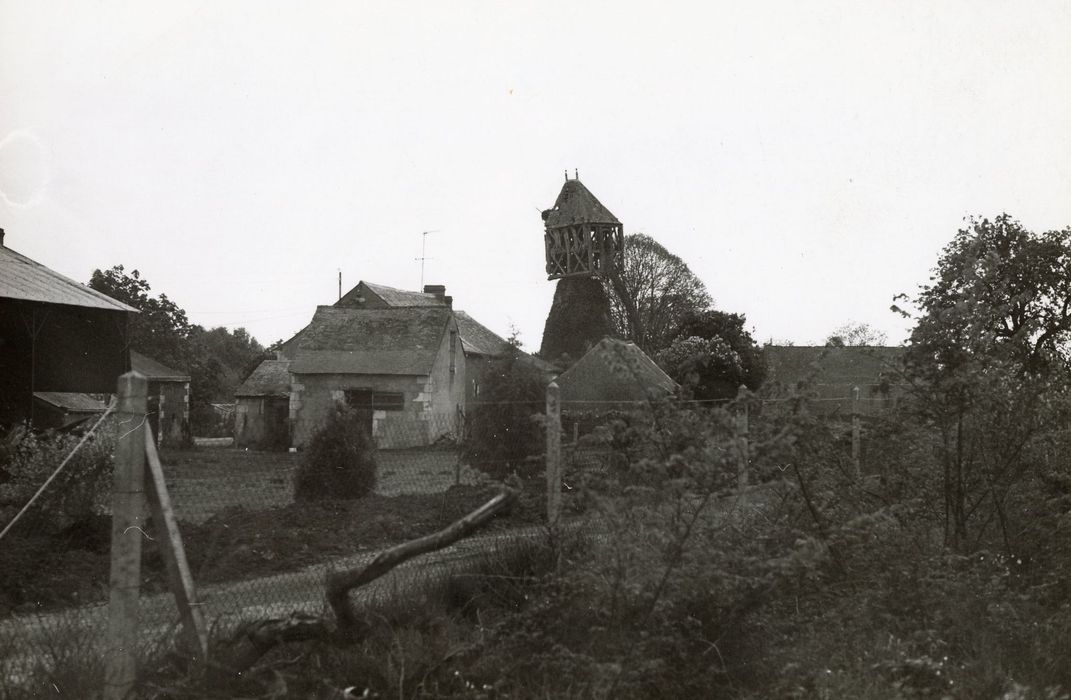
(205, 481)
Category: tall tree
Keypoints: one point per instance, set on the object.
(216, 359)
(987, 359)
(652, 292)
(856, 334)
(161, 329)
(713, 354)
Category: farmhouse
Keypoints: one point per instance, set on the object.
(408, 358)
(402, 366)
(56, 335)
(169, 399)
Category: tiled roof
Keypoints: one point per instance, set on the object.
(155, 371)
(614, 371)
(831, 370)
(478, 339)
(370, 341)
(577, 205)
(79, 403)
(25, 279)
(403, 298)
(270, 378)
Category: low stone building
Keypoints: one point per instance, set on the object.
(262, 410)
(169, 399)
(403, 367)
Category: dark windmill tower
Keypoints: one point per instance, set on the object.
(584, 244)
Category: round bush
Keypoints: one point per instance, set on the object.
(340, 462)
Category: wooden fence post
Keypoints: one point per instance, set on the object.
(554, 454)
(856, 443)
(742, 429)
(128, 520)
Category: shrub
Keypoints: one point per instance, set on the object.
(506, 427)
(340, 462)
(79, 492)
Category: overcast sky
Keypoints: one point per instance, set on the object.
(807, 160)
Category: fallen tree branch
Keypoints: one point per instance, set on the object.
(254, 639)
(340, 584)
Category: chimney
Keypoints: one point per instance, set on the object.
(438, 290)
(1, 238)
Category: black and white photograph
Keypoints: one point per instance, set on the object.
(562, 349)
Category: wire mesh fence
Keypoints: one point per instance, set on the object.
(256, 549)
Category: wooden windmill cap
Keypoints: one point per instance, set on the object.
(577, 205)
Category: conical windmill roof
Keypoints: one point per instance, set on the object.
(577, 205)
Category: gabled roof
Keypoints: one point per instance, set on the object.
(577, 205)
(27, 280)
(270, 378)
(404, 298)
(370, 341)
(155, 371)
(67, 401)
(478, 339)
(614, 371)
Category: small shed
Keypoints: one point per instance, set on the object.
(64, 410)
(614, 375)
(262, 407)
(169, 399)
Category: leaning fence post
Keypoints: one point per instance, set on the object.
(554, 454)
(742, 429)
(856, 442)
(128, 521)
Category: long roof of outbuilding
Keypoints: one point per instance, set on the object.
(577, 205)
(864, 366)
(342, 340)
(28, 280)
(69, 401)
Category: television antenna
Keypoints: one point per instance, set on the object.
(423, 257)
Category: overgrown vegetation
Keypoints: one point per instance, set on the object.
(504, 427)
(79, 493)
(340, 461)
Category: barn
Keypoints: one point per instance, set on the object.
(56, 335)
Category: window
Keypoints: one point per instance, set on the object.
(369, 399)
